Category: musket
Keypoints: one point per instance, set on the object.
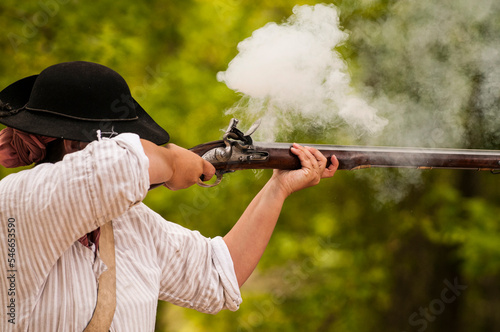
(238, 151)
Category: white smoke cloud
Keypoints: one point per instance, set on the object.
(292, 70)
(428, 71)
(434, 70)
(431, 63)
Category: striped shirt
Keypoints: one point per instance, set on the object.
(48, 279)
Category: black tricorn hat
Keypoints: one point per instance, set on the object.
(77, 101)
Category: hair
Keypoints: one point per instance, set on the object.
(19, 148)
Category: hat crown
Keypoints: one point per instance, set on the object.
(79, 101)
(84, 91)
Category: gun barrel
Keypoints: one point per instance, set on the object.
(357, 157)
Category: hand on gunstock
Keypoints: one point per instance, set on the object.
(175, 167)
(187, 168)
(313, 170)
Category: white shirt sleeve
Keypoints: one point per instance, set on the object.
(134, 143)
(197, 272)
(55, 204)
(224, 265)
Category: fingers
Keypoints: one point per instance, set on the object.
(320, 158)
(313, 169)
(189, 168)
(208, 171)
(330, 171)
(313, 158)
(307, 160)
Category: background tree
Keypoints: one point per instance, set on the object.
(370, 250)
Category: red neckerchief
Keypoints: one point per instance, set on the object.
(92, 237)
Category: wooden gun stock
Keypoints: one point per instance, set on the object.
(278, 156)
(237, 151)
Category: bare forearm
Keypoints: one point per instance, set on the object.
(160, 168)
(249, 237)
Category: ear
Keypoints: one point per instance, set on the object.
(73, 146)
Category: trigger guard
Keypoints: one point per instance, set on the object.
(207, 185)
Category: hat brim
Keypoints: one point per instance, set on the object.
(42, 123)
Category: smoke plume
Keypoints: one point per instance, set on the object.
(291, 71)
(434, 69)
(427, 74)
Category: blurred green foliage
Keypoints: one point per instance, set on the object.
(360, 252)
